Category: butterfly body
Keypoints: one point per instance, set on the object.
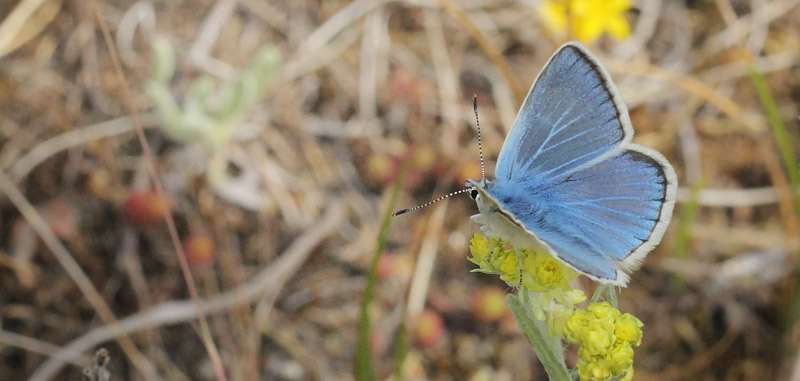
(569, 181)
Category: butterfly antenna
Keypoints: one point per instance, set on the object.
(451, 194)
(478, 123)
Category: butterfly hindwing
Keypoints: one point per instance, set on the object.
(602, 218)
(571, 117)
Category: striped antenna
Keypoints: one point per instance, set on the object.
(483, 173)
(478, 123)
(404, 211)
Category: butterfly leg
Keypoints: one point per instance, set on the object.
(479, 219)
(519, 263)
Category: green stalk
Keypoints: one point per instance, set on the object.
(782, 139)
(550, 354)
(362, 364)
(683, 237)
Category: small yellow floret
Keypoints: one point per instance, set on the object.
(546, 273)
(604, 316)
(629, 328)
(621, 357)
(576, 326)
(479, 248)
(508, 265)
(596, 369)
(628, 375)
(575, 296)
(597, 341)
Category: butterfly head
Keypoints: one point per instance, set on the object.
(475, 187)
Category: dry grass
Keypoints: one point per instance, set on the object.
(365, 86)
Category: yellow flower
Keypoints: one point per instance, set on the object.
(620, 357)
(481, 251)
(597, 369)
(546, 273)
(629, 329)
(557, 319)
(605, 316)
(575, 296)
(605, 335)
(576, 326)
(597, 341)
(628, 374)
(586, 19)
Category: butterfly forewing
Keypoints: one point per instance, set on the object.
(570, 117)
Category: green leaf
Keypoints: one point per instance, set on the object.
(162, 66)
(552, 358)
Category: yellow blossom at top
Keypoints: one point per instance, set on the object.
(604, 315)
(586, 20)
(629, 328)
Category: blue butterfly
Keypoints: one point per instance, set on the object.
(569, 180)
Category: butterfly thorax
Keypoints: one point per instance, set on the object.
(496, 220)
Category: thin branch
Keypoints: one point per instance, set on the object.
(205, 331)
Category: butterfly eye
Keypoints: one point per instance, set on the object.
(473, 194)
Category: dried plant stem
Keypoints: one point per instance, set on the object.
(492, 51)
(205, 330)
(37, 346)
(74, 271)
(681, 81)
(16, 21)
(264, 286)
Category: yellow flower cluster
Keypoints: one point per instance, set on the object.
(539, 272)
(586, 20)
(548, 279)
(606, 337)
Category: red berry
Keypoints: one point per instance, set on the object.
(429, 329)
(145, 208)
(199, 249)
(489, 305)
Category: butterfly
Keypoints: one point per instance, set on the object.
(568, 180)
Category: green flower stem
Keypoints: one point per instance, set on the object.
(550, 352)
(610, 297)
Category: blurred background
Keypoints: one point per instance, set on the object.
(277, 130)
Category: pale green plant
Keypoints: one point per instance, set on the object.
(211, 111)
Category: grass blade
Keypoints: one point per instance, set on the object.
(683, 239)
(362, 365)
(782, 138)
